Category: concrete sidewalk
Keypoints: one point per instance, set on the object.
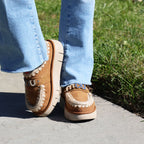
(113, 125)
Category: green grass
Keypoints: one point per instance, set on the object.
(118, 48)
(49, 14)
(119, 52)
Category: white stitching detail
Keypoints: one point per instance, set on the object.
(33, 73)
(36, 71)
(74, 103)
(70, 87)
(40, 100)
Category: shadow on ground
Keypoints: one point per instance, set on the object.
(13, 105)
(57, 114)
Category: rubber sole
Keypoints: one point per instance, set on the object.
(76, 117)
(57, 63)
(81, 117)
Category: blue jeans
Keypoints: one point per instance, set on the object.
(22, 46)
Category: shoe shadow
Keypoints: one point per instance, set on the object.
(58, 114)
(13, 105)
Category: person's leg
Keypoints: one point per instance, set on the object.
(22, 46)
(23, 49)
(76, 34)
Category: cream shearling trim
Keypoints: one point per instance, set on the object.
(40, 100)
(74, 103)
(70, 87)
(36, 71)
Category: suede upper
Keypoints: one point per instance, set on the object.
(38, 85)
(78, 99)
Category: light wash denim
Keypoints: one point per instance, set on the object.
(76, 34)
(22, 46)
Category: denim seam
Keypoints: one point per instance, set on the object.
(67, 31)
(68, 23)
(36, 35)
